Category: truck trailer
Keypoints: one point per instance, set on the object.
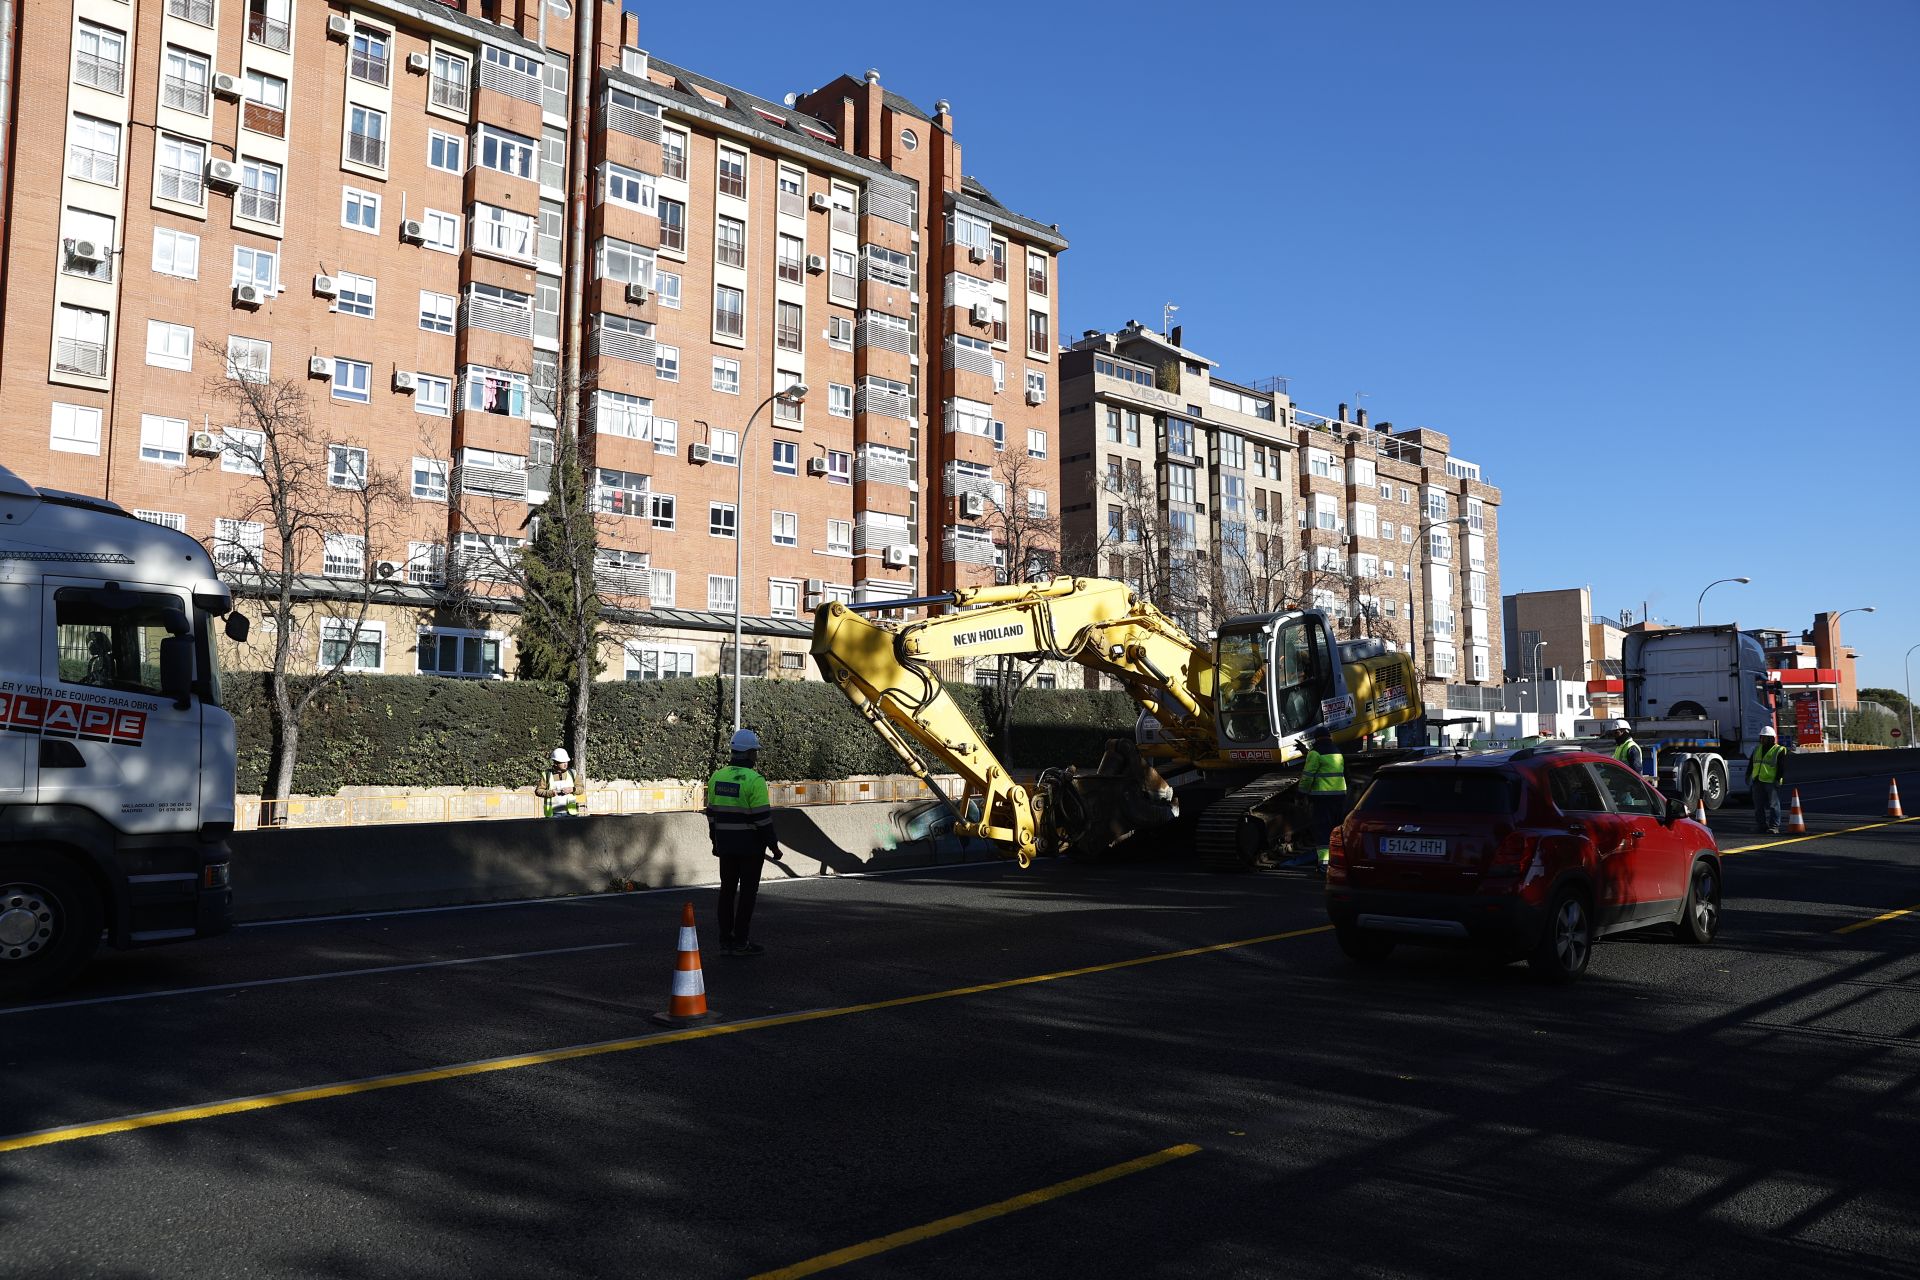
(1697, 698)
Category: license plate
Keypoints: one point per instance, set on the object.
(1414, 848)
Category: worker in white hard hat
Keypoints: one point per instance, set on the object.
(1766, 773)
(1625, 749)
(559, 788)
(740, 824)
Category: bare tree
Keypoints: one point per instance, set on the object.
(304, 527)
(1027, 539)
(1153, 550)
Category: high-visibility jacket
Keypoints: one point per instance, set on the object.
(1628, 753)
(739, 817)
(1767, 763)
(1325, 774)
(566, 797)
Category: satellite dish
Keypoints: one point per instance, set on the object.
(791, 98)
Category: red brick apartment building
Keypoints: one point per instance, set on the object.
(464, 227)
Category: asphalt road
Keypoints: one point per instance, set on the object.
(918, 1047)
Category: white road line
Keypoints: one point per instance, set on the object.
(310, 977)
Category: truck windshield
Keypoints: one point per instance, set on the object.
(1242, 683)
(207, 645)
(114, 644)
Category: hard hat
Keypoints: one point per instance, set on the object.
(1768, 731)
(745, 740)
(1619, 725)
(560, 755)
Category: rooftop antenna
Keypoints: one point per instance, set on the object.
(1166, 316)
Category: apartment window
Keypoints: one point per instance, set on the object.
(1036, 272)
(1386, 492)
(839, 400)
(360, 210)
(724, 447)
(450, 81)
(730, 242)
(176, 253)
(163, 440)
(1406, 534)
(93, 150)
(440, 230)
(352, 381)
(1179, 484)
(178, 166)
(351, 647)
(183, 81)
(1231, 450)
(1476, 515)
(169, 346)
(786, 458)
(265, 108)
(1113, 426)
(889, 265)
(999, 375)
(786, 529)
(556, 71)
(729, 318)
(731, 173)
(1439, 546)
(662, 510)
(437, 311)
(76, 429)
(666, 287)
(622, 493)
(841, 287)
(1037, 504)
(629, 188)
(619, 260)
(553, 161)
(720, 593)
(792, 259)
(998, 309)
(346, 466)
(259, 194)
(1406, 494)
(495, 391)
(430, 479)
(267, 23)
(839, 467)
(618, 414)
(1000, 261)
(249, 359)
(1366, 521)
(726, 375)
(83, 225)
(840, 332)
(789, 325)
(367, 55)
(238, 543)
(367, 137)
(666, 362)
(1036, 443)
(964, 229)
(100, 58)
(793, 192)
(660, 592)
(356, 294)
(445, 151)
(1037, 333)
(1436, 504)
(783, 598)
(1386, 530)
(840, 537)
(504, 232)
(673, 224)
(1037, 384)
(471, 655)
(503, 151)
(432, 396)
(259, 267)
(658, 662)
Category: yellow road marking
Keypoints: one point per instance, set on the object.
(912, 1235)
(461, 1071)
(1818, 835)
(1879, 919)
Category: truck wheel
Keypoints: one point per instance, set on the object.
(50, 920)
(1691, 787)
(1716, 785)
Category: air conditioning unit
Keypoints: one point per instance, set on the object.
(224, 174)
(326, 287)
(816, 466)
(405, 380)
(981, 315)
(816, 264)
(384, 569)
(820, 202)
(973, 505)
(1036, 397)
(226, 86)
(320, 367)
(86, 251)
(637, 294)
(204, 444)
(412, 232)
(338, 26)
(418, 62)
(700, 453)
(976, 254)
(897, 557)
(248, 295)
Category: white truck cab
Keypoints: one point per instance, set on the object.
(116, 759)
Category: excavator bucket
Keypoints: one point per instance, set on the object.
(1087, 815)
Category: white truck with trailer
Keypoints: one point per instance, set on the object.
(116, 759)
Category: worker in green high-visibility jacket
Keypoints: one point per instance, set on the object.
(1324, 780)
(740, 823)
(1766, 771)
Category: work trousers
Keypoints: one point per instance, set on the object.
(739, 885)
(1329, 808)
(1766, 805)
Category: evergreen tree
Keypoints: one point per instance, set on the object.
(557, 564)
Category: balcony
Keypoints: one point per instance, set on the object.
(961, 480)
(673, 237)
(875, 531)
(493, 482)
(198, 12)
(261, 206)
(269, 32)
(101, 270)
(368, 65)
(673, 164)
(882, 402)
(730, 253)
(497, 317)
(729, 324)
(793, 204)
(256, 118)
(94, 166)
(364, 148)
(183, 94)
(636, 122)
(622, 582)
(968, 359)
(882, 466)
(523, 85)
(968, 546)
(787, 337)
(791, 270)
(887, 333)
(450, 94)
(183, 185)
(615, 344)
(104, 74)
(70, 355)
(842, 287)
(1036, 282)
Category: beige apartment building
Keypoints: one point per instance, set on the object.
(1219, 497)
(466, 228)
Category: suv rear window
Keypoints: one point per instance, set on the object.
(1442, 791)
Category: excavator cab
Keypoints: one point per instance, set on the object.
(1275, 675)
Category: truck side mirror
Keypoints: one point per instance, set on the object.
(176, 670)
(238, 627)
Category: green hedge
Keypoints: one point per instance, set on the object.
(421, 731)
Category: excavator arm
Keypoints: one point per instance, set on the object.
(887, 672)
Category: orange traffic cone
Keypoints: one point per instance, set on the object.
(689, 1002)
(1893, 798)
(1700, 812)
(1796, 821)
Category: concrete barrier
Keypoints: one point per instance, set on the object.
(1815, 766)
(322, 871)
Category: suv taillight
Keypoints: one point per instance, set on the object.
(1337, 853)
(1513, 854)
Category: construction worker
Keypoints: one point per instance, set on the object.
(1325, 782)
(561, 791)
(740, 823)
(1766, 771)
(1625, 749)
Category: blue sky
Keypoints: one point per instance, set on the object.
(1653, 266)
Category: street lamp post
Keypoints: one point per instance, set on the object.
(791, 395)
(1413, 597)
(1537, 647)
(1839, 709)
(1908, 664)
(1698, 605)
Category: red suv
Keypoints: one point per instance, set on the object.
(1535, 853)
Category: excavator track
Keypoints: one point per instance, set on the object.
(1228, 836)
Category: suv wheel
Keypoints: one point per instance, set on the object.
(49, 922)
(1362, 946)
(1700, 915)
(1567, 941)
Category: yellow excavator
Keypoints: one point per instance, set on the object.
(1220, 743)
